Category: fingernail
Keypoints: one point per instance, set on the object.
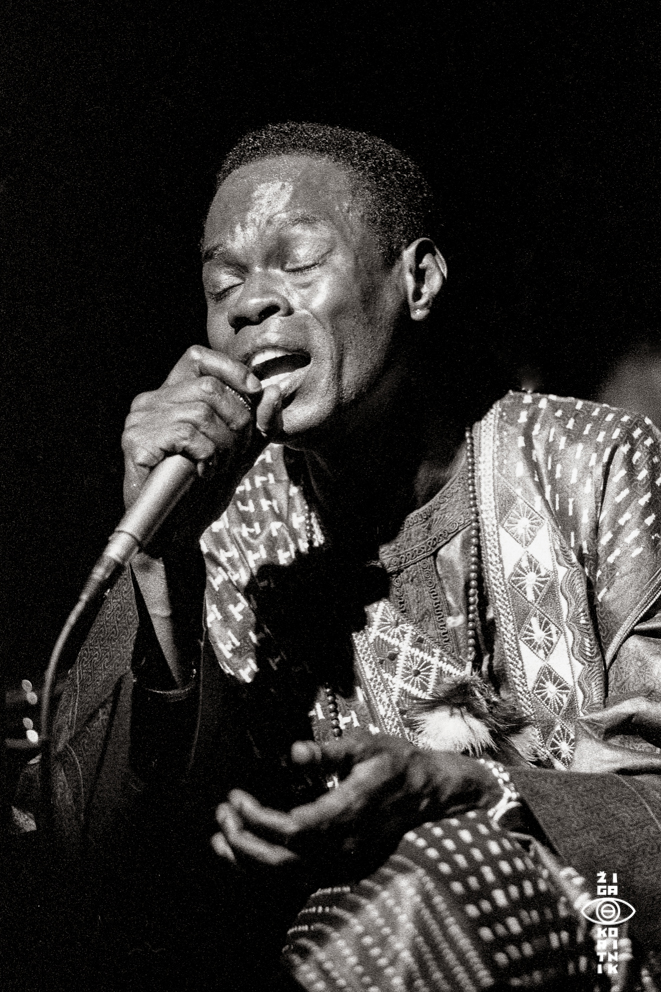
(253, 383)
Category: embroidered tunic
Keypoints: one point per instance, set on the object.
(570, 519)
(570, 506)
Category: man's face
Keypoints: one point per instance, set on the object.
(298, 291)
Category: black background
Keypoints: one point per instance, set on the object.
(536, 122)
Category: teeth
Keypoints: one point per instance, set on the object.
(276, 365)
(274, 379)
(267, 355)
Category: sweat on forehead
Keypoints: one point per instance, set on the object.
(393, 193)
(288, 190)
(311, 172)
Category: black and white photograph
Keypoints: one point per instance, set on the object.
(331, 497)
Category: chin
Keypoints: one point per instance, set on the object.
(303, 428)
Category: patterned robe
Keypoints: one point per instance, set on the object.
(570, 521)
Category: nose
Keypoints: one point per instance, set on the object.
(258, 300)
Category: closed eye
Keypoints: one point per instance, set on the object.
(295, 267)
(217, 296)
(303, 268)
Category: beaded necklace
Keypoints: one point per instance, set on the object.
(472, 618)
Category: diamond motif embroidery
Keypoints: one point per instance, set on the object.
(540, 635)
(410, 663)
(418, 674)
(530, 578)
(386, 626)
(551, 689)
(561, 745)
(522, 523)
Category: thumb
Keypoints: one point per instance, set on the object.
(269, 412)
(337, 758)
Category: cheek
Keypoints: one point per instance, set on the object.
(343, 303)
(219, 332)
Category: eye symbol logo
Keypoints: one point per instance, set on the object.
(608, 912)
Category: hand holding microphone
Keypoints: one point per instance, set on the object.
(210, 417)
(210, 411)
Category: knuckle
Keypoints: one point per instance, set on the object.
(195, 354)
(209, 384)
(187, 432)
(145, 457)
(239, 420)
(131, 442)
(141, 401)
(290, 833)
(201, 412)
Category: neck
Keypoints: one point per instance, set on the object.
(375, 472)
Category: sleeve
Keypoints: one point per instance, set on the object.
(604, 822)
(604, 814)
(91, 721)
(96, 735)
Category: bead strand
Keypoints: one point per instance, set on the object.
(331, 698)
(510, 797)
(472, 619)
(333, 711)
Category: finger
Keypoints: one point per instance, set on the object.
(222, 848)
(197, 414)
(229, 405)
(269, 411)
(193, 430)
(335, 758)
(221, 813)
(339, 757)
(199, 361)
(370, 783)
(270, 824)
(334, 810)
(306, 753)
(245, 844)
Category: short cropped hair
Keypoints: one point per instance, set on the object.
(399, 202)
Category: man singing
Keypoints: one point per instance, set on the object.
(427, 705)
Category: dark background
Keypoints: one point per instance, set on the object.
(536, 122)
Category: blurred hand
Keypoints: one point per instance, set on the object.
(638, 716)
(386, 786)
(211, 409)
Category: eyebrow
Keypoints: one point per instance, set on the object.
(215, 251)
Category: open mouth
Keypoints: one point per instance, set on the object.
(273, 364)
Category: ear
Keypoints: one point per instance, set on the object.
(425, 272)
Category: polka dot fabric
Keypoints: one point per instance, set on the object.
(459, 906)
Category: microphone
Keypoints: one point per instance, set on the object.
(164, 487)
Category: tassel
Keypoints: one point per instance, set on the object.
(468, 716)
(446, 729)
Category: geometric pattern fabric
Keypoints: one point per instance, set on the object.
(570, 502)
(569, 496)
(458, 906)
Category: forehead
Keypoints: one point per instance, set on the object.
(265, 194)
